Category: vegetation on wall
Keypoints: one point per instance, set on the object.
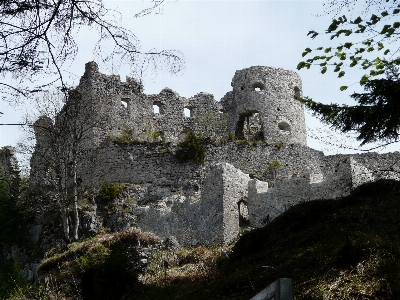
(128, 135)
(109, 191)
(191, 149)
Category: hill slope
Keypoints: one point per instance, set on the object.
(337, 249)
(347, 248)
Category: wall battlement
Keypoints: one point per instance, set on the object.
(208, 203)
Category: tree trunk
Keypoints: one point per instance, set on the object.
(75, 205)
(63, 209)
(65, 223)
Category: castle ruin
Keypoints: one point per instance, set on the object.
(131, 137)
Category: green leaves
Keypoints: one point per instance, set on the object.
(312, 34)
(364, 79)
(385, 29)
(357, 21)
(306, 51)
(368, 36)
(346, 54)
(302, 65)
(348, 45)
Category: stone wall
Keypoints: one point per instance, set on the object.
(273, 95)
(125, 140)
(8, 162)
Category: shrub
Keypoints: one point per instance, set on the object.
(126, 135)
(191, 149)
(109, 191)
(11, 278)
(278, 145)
(96, 255)
(231, 137)
(153, 136)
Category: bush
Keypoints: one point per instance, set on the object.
(110, 272)
(109, 191)
(13, 215)
(11, 278)
(191, 149)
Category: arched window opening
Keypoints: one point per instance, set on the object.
(124, 102)
(258, 86)
(284, 126)
(297, 92)
(187, 112)
(243, 214)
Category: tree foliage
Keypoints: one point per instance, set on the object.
(38, 40)
(377, 29)
(376, 118)
(377, 115)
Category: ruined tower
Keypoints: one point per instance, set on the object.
(264, 105)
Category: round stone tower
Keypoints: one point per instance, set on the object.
(264, 104)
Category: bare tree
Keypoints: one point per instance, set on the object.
(37, 39)
(63, 137)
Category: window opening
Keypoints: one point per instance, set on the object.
(247, 126)
(243, 214)
(258, 86)
(188, 112)
(297, 92)
(157, 107)
(284, 126)
(124, 103)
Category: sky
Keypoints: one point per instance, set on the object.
(217, 38)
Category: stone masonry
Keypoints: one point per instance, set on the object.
(236, 186)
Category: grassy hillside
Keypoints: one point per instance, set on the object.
(332, 249)
(336, 249)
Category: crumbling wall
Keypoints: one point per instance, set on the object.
(273, 95)
(8, 165)
(130, 142)
(341, 174)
